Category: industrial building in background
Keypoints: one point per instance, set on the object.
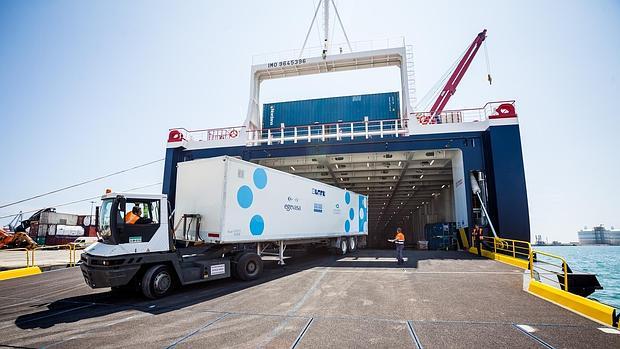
(599, 236)
(48, 227)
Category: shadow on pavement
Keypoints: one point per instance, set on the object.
(73, 309)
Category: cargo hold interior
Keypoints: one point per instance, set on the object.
(405, 189)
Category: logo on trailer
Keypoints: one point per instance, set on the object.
(318, 207)
(289, 207)
(291, 199)
(318, 192)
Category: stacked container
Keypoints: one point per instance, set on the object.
(378, 106)
(441, 236)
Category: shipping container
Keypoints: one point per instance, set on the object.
(241, 201)
(58, 218)
(378, 106)
(441, 236)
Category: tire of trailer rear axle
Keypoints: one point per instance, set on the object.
(352, 244)
(157, 281)
(249, 266)
(343, 248)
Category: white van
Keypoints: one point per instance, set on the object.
(85, 241)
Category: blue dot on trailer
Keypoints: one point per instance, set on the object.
(347, 226)
(347, 197)
(245, 196)
(257, 225)
(351, 213)
(260, 178)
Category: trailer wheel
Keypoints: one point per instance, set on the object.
(352, 244)
(343, 249)
(157, 282)
(249, 266)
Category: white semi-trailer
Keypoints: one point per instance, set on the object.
(228, 213)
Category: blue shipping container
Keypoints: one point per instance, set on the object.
(378, 106)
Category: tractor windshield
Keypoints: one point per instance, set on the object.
(104, 219)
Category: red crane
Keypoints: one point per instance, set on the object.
(456, 77)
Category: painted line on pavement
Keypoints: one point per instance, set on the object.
(414, 335)
(302, 333)
(525, 329)
(196, 331)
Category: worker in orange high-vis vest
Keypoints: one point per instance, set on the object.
(399, 240)
(133, 216)
(477, 235)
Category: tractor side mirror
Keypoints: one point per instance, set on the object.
(121, 204)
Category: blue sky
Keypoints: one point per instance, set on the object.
(89, 88)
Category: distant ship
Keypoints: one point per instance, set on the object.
(599, 236)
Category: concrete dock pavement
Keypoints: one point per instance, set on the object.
(361, 300)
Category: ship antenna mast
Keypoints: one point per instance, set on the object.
(326, 38)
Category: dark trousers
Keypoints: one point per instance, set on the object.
(399, 253)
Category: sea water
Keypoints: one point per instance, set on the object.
(604, 261)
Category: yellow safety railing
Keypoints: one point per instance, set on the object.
(548, 277)
(31, 253)
(544, 264)
(509, 247)
(29, 258)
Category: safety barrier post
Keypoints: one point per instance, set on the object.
(564, 266)
(71, 257)
(531, 263)
(514, 253)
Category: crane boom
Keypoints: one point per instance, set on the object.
(457, 75)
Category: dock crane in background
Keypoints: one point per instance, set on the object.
(433, 116)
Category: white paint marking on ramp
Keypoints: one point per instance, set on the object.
(528, 329)
(609, 330)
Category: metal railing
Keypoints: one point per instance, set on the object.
(239, 135)
(209, 135)
(543, 266)
(322, 132)
(549, 267)
(460, 115)
(509, 247)
(31, 260)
